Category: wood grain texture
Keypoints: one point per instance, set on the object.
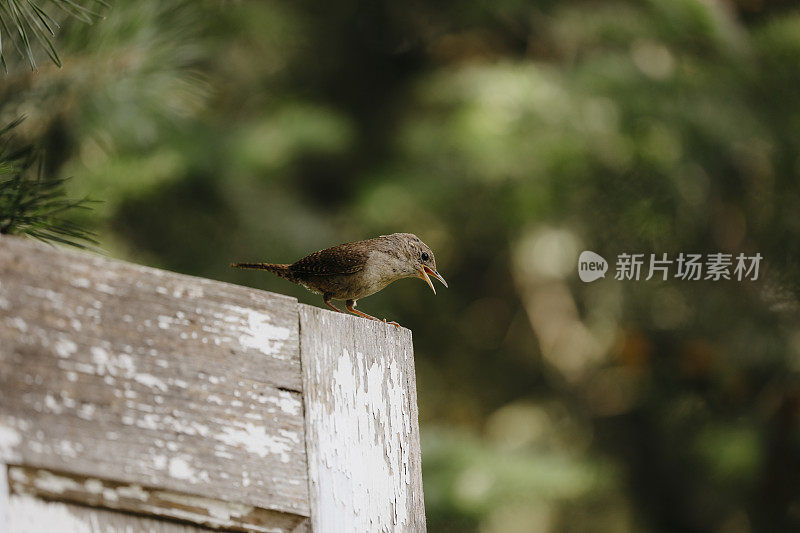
(362, 433)
(31, 515)
(109, 494)
(4, 496)
(115, 371)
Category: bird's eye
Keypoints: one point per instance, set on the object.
(425, 256)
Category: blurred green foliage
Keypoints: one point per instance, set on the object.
(510, 136)
(32, 204)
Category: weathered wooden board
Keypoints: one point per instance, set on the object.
(114, 371)
(133, 389)
(30, 515)
(362, 432)
(93, 492)
(4, 498)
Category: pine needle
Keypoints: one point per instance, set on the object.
(25, 23)
(34, 205)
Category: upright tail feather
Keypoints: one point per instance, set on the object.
(281, 270)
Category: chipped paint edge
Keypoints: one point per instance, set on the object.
(376, 398)
(28, 482)
(4, 497)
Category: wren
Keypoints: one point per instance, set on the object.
(354, 270)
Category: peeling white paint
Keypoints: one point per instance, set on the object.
(65, 348)
(359, 422)
(159, 462)
(86, 411)
(213, 398)
(51, 404)
(53, 484)
(193, 428)
(17, 323)
(4, 497)
(27, 514)
(178, 383)
(148, 380)
(148, 421)
(82, 283)
(257, 440)
(107, 364)
(130, 381)
(374, 408)
(125, 364)
(10, 439)
(288, 403)
(103, 287)
(67, 448)
(99, 356)
(55, 299)
(133, 492)
(93, 486)
(179, 469)
(260, 334)
(217, 509)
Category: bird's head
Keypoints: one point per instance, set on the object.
(418, 258)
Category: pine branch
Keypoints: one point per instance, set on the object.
(25, 24)
(31, 204)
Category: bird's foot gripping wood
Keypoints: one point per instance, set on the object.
(351, 306)
(327, 299)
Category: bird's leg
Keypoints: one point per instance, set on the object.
(351, 306)
(327, 299)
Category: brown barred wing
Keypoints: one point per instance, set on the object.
(342, 259)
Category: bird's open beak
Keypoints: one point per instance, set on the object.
(436, 275)
(423, 273)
